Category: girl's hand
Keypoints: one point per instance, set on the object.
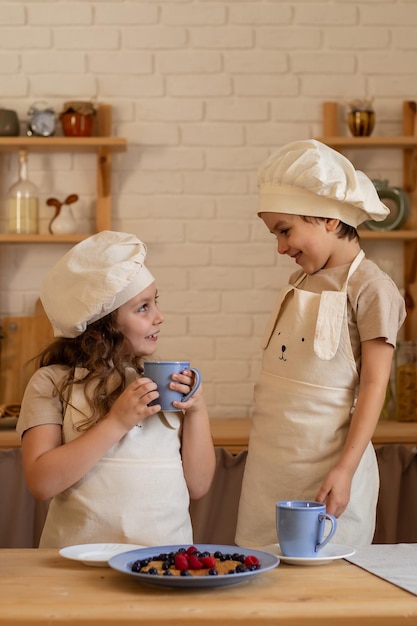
(131, 407)
(183, 383)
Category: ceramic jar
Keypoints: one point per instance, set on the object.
(406, 381)
(361, 118)
(77, 119)
(9, 123)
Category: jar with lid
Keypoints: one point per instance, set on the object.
(406, 381)
(22, 202)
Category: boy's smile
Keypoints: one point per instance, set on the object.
(312, 243)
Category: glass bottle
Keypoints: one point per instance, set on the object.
(22, 202)
(406, 384)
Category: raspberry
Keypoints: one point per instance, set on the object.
(208, 561)
(251, 560)
(181, 562)
(192, 550)
(194, 562)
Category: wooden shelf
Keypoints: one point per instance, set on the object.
(370, 142)
(408, 144)
(102, 145)
(392, 235)
(63, 144)
(43, 238)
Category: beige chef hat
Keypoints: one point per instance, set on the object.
(93, 279)
(309, 178)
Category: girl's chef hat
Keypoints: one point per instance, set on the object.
(93, 279)
(309, 178)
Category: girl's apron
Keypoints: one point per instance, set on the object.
(303, 403)
(135, 494)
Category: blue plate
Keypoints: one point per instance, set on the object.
(123, 563)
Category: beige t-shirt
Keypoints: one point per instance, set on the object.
(375, 305)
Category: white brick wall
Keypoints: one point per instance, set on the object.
(203, 91)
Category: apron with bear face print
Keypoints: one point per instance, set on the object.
(304, 398)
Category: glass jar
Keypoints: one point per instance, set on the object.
(406, 381)
(22, 202)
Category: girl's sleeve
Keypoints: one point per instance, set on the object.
(41, 403)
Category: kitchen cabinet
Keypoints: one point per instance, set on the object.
(407, 142)
(102, 145)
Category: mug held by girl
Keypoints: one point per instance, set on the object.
(161, 373)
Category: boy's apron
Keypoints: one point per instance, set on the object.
(303, 403)
(135, 494)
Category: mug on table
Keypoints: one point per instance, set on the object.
(301, 526)
(161, 373)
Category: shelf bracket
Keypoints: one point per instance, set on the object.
(409, 155)
(103, 212)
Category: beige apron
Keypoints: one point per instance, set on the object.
(303, 403)
(135, 494)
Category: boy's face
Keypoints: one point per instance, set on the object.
(139, 320)
(312, 244)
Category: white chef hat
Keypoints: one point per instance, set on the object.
(309, 178)
(93, 279)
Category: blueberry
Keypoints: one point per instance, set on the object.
(152, 571)
(185, 572)
(213, 572)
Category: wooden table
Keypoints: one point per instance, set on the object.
(39, 587)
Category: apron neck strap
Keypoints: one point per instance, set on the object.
(354, 265)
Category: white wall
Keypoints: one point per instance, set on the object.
(203, 91)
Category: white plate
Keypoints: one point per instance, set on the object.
(123, 563)
(331, 552)
(97, 554)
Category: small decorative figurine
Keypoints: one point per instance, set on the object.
(63, 222)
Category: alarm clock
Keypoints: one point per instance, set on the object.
(41, 120)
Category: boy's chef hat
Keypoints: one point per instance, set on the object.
(93, 279)
(309, 178)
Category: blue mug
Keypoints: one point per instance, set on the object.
(161, 373)
(300, 527)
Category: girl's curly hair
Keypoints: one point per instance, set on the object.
(100, 350)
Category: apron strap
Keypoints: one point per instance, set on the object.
(332, 310)
(331, 313)
(330, 318)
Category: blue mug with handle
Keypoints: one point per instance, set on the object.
(301, 526)
(161, 373)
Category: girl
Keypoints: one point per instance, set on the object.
(117, 470)
(328, 349)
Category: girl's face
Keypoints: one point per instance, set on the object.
(310, 243)
(139, 320)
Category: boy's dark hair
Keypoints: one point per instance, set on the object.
(344, 231)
